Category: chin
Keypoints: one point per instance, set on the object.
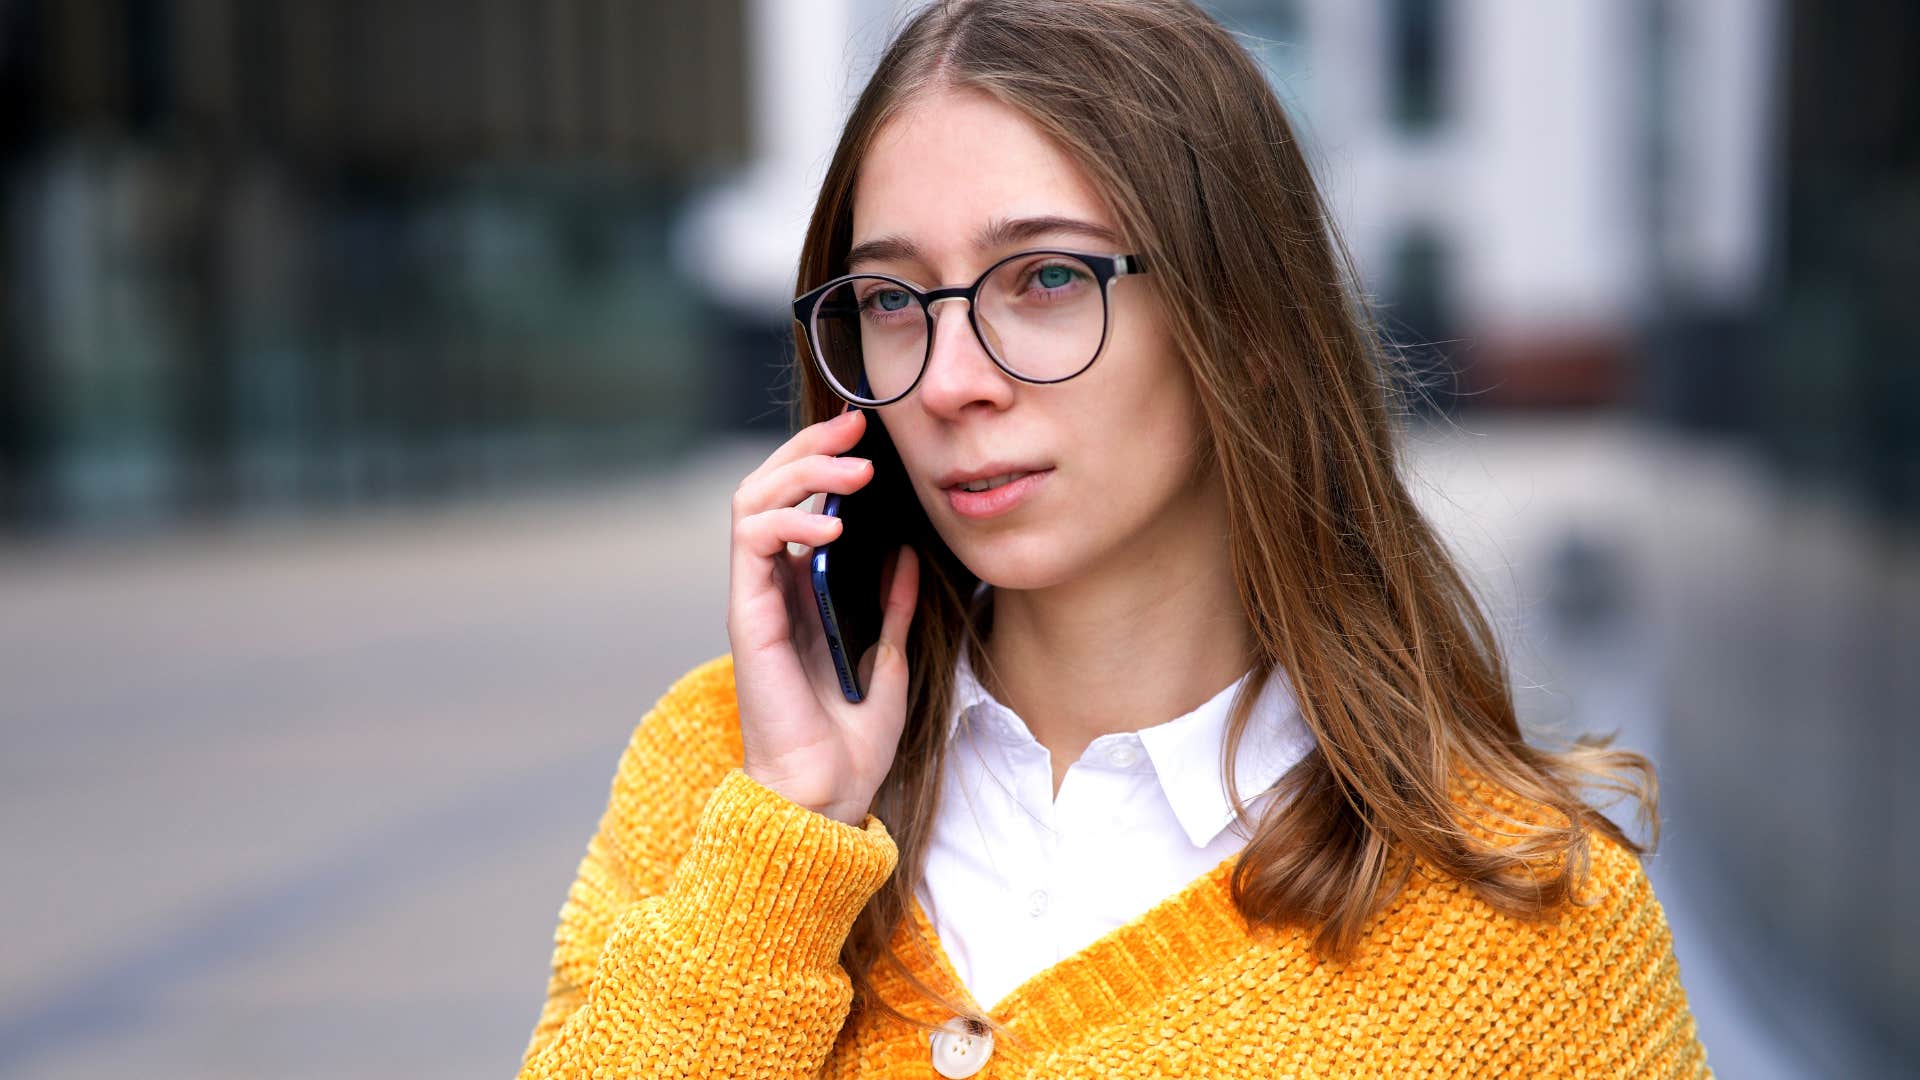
(1025, 561)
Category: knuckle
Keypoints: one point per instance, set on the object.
(745, 531)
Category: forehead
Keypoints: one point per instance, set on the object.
(950, 163)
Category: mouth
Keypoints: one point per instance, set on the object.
(987, 476)
(991, 496)
(991, 482)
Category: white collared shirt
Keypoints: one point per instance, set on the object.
(1017, 880)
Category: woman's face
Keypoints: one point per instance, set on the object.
(1114, 449)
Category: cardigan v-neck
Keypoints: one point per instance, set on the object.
(703, 933)
(1082, 985)
(1016, 880)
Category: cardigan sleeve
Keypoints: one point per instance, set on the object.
(706, 947)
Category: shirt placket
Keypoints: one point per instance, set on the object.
(1032, 887)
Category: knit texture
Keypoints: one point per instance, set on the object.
(702, 936)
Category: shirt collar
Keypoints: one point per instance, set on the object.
(1186, 750)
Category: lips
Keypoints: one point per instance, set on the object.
(996, 501)
(990, 483)
(992, 471)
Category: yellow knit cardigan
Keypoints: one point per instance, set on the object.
(702, 939)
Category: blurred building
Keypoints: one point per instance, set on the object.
(294, 252)
(263, 252)
(1793, 736)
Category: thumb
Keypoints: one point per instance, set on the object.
(890, 668)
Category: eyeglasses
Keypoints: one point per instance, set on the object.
(1041, 315)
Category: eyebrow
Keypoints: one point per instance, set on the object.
(1000, 232)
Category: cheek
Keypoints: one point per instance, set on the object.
(1153, 461)
(1134, 461)
(1148, 418)
(1154, 377)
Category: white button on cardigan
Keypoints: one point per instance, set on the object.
(1017, 880)
(960, 1049)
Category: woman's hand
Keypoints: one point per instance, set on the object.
(803, 738)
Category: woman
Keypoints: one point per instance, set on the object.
(1192, 578)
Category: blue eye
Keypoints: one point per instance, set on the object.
(890, 299)
(1054, 277)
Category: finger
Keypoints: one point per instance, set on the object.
(767, 533)
(887, 568)
(797, 481)
(902, 595)
(756, 607)
(835, 436)
(867, 658)
(797, 590)
(864, 672)
(888, 681)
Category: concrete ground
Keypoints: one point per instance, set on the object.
(302, 798)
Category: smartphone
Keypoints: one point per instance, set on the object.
(875, 522)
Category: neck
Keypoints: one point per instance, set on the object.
(1147, 636)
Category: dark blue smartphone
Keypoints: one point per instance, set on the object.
(875, 522)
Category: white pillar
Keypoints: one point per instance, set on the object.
(807, 60)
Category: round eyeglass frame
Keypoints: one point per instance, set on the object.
(1106, 269)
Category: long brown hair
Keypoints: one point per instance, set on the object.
(1346, 587)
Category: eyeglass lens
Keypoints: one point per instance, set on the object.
(1040, 317)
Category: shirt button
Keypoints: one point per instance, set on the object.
(1037, 903)
(961, 1048)
(1123, 755)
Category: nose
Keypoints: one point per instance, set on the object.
(959, 372)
